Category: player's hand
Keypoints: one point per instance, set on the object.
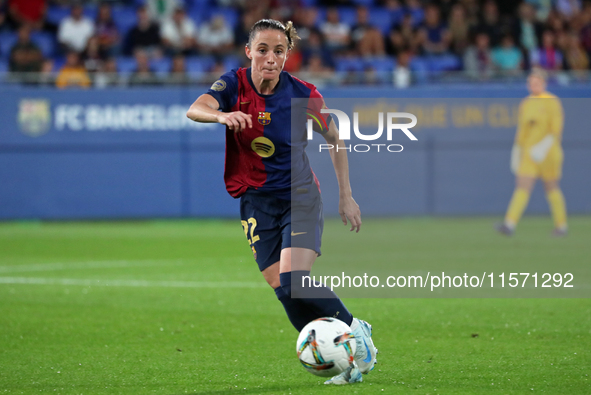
(349, 209)
(515, 158)
(236, 121)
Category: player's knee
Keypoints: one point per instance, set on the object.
(273, 282)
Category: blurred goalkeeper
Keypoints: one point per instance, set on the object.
(537, 153)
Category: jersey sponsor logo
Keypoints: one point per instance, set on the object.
(263, 147)
(264, 117)
(218, 86)
(34, 116)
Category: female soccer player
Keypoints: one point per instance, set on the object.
(267, 167)
(537, 153)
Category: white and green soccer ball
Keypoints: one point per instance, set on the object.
(326, 347)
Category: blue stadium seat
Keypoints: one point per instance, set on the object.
(381, 19)
(420, 69)
(56, 13)
(126, 64)
(349, 64)
(381, 64)
(437, 64)
(125, 19)
(309, 3)
(231, 62)
(199, 64)
(46, 43)
(3, 66)
(367, 3)
(161, 66)
(7, 41)
(347, 15)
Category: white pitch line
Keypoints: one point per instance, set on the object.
(49, 267)
(131, 283)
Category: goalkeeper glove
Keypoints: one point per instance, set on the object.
(539, 151)
(515, 158)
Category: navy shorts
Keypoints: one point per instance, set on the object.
(272, 224)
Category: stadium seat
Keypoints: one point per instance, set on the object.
(231, 62)
(420, 69)
(55, 13)
(161, 66)
(7, 41)
(380, 18)
(125, 19)
(441, 63)
(126, 64)
(46, 43)
(381, 64)
(350, 64)
(3, 66)
(368, 3)
(199, 64)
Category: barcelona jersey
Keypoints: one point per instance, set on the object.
(269, 157)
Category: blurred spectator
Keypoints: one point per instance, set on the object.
(305, 20)
(143, 75)
(402, 75)
(73, 74)
(367, 40)
(396, 11)
(336, 33)
(107, 75)
(574, 54)
(527, 30)
(28, 12)
(568, 8)
(179, 33)
(75, 30)
(415, 9)
(178, 71)
(248, 18)
(46, 76)
(106, 30)
(434, 36)
(585, 34)
(294, 61)
(216, 37)
(315, 72)
(402, 38)
(541, 8)
(145, 35)
(92, 56)
(315, 47)
(508, 58)
(491, 23)
(459, 29)
(161, 10)
(478, 58)
(25, 56)
(547, 57)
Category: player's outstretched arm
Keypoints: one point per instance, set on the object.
(348, 208)
(205, 109)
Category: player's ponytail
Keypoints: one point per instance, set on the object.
(271, 24)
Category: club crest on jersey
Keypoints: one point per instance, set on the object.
(263, 147)
(264, 117)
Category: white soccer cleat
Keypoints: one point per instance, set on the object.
(349, 376)
(365, 354)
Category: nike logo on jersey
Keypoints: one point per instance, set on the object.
(298, 233)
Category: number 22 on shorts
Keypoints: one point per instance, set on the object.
(250, 224)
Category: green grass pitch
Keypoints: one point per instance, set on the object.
(178, 307)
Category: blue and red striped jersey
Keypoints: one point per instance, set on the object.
(269, 157)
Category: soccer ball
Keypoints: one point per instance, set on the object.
(326, 347)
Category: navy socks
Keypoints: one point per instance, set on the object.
(305, 304)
